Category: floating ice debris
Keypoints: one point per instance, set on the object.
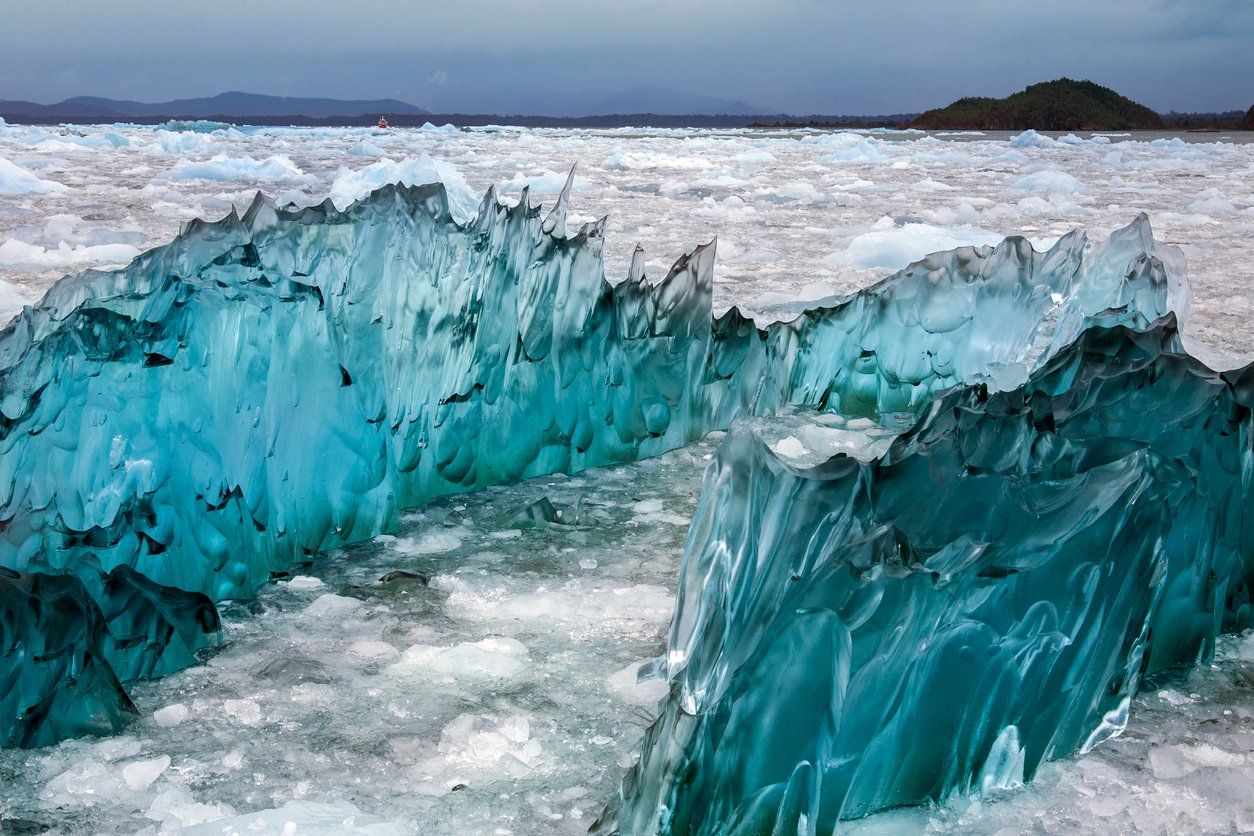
(984, 597)
(285, 382)
(222, 167)
(16, 180)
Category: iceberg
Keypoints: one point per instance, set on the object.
(283, 382)
(985, 596)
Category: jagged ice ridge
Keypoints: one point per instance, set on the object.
(284, 381)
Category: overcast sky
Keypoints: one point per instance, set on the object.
(796, 56)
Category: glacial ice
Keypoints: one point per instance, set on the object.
(985, 596)
(17, 180)
(284, 382)
(222, 167)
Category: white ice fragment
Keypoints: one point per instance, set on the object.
(312, 692)
(331, 606)
(586, 598)
(790, 448)
(435, 541)
(1207, 754)
(247, 712)
(1212, 202)
(1167, 763)
(171, 715)
(14, 253)
(1031, 139)
(649, 161)
(490, 746)
(1049, 180)
(223, 167)
(138, 775)
(302, 582)
(542, 181)
(176, 808)
(16, 180)
(1173, 698)
(496, 657)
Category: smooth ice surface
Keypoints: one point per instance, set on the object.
(780, 204)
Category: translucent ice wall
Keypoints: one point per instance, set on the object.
(985, 596)
(283, 382)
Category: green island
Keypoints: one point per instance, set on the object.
(1061, 105)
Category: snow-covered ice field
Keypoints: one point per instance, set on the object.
(495, 693)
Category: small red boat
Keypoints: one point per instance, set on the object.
(383, 123)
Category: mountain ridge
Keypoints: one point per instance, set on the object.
(234, 104)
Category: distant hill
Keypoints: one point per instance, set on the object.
(229, 106)
(1247, 124)
(1062, 105)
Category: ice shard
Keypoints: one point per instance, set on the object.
(282, 382)
(984, 597)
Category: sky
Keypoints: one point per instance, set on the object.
(508, 56)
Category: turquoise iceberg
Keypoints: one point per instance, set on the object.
(285, 381)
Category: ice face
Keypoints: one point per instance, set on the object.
(985, 596)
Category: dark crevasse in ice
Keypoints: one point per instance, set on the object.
(984, 597)
(283, 382)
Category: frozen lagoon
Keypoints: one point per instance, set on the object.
(799, 216)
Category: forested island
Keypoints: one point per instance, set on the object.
(1061, 105)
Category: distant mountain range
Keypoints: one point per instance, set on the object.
(1061, 105)
(233, 105)
(557, 104)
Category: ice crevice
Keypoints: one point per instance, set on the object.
(283, 382)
